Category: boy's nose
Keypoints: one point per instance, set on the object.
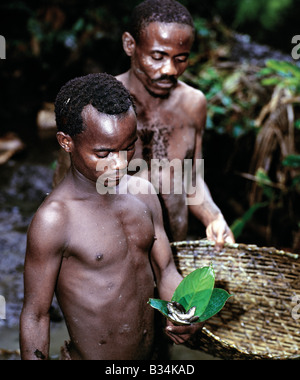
(119, 161)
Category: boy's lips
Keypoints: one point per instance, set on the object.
(116, 177)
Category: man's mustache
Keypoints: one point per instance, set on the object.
(171, 79)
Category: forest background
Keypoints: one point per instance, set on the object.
(241, 60)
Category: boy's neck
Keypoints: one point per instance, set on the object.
(82, 184)
(86, 187)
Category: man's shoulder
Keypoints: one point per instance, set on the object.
(191, 93)
(192, 102)
(123, 78)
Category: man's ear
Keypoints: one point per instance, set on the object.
(65, 141)
(129, 44)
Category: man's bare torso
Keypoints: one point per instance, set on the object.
(169, 131)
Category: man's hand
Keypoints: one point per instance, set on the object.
(182, 334)
(219, 232)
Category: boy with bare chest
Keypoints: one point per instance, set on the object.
(99, 253)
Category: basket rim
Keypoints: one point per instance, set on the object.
(239, 351)
(243, 352)
(247, 247)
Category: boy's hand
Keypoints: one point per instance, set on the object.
(182, 334)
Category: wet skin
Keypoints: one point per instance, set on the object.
(171, 121)
(100, 254)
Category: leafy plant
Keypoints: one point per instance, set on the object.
(238, 225)
(283, 74)
(196, 291)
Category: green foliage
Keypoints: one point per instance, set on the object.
(267, 13)
(229, 104)
(282, 74)
(238, 226)
(292, 161)
(196, 290)
(284, 79)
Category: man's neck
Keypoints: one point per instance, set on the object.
(140, 93)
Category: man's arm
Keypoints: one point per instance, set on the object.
(45, 244)
(201, 203)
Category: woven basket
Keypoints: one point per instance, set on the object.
(261, 320)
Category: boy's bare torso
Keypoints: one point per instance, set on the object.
(105, 278)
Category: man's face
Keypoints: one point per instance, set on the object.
(161, 56)
(107, 145)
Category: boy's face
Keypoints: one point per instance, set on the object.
(97, 149)
(161, 56)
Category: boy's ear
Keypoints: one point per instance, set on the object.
(65, 141)
(129, 44)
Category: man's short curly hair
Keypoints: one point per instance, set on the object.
(102, 91)
(166, 11)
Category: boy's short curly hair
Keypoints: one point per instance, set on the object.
(166, 11)
(102, 91)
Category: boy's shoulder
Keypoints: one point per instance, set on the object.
(51, 215)
(139, 185)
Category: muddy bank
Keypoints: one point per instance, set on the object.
(25, 181)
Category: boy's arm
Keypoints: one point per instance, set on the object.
(166, 275)
(45, 244)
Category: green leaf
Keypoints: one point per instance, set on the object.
(297, 124)
(292, 161)
(273, 81)
(196, 289)
(264, 181)
(216, 304)
(238, 225)
(284, 68)
(159, 305)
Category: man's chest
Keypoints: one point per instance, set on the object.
(168, 138)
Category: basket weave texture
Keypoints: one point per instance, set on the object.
(261, 320)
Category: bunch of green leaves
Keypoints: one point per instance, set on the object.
(196, 290)
(281, 73)
(293, 161)
(229, 105)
